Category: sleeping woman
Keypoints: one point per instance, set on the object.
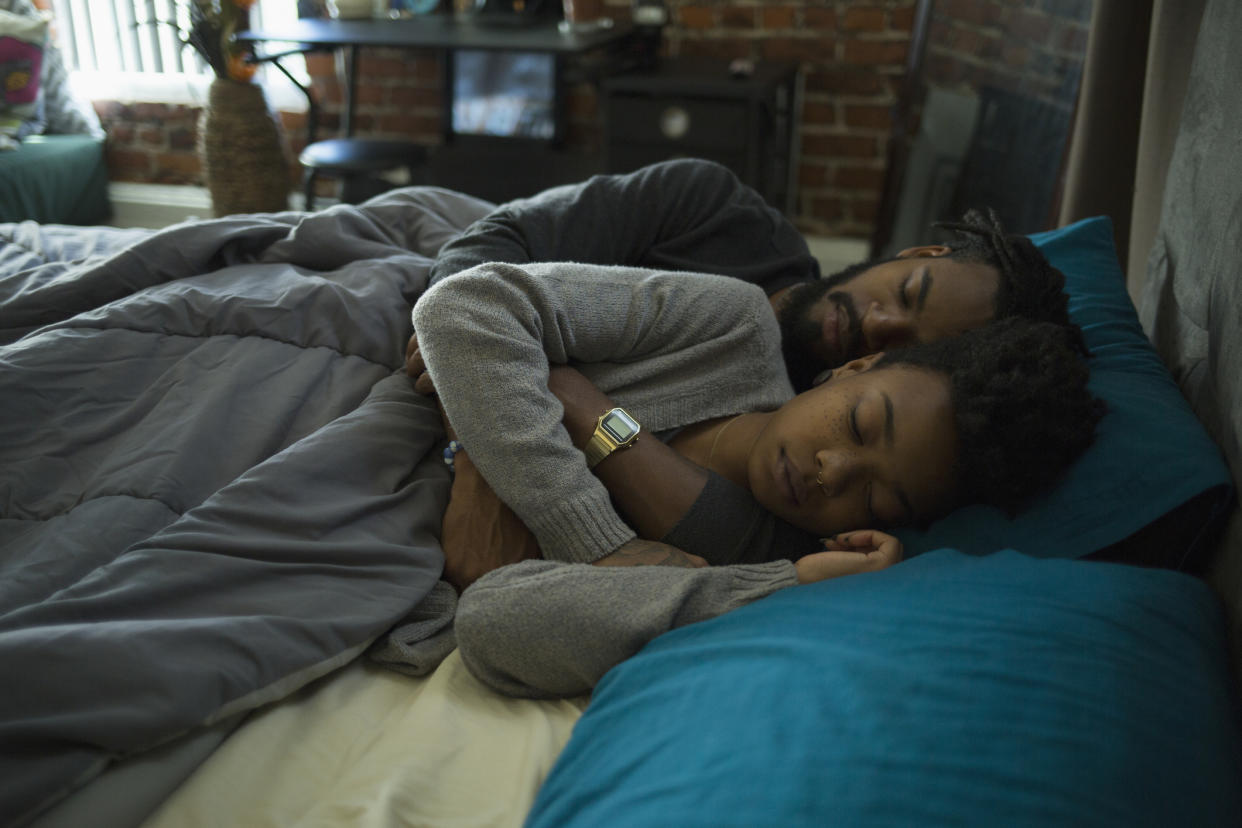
(729, 468)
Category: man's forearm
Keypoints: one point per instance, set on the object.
(652, 485)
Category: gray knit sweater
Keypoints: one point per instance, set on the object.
(542, 629)
(674, 349)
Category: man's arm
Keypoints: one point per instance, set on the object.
(652, 485)
(487, 337)
(686, 215)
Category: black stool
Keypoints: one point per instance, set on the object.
(357, 161)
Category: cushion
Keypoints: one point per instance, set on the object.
(21, 65)
(64, 112)
(1151, 455)
(947, 690)
(55, 179)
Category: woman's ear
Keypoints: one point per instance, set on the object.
(926, 251)
(854, 366)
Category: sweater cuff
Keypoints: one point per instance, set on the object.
(750, 582)
(582, 530)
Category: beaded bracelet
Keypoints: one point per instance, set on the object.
(450, 451)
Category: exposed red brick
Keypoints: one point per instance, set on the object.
(320, 64)
(582, 102)
(149, 111)
(119, 133)
(820, 113)
(809, 49)
(697, 17)
(865, 209)
(178, 164)
(876, 52)
(1072, 38)
(412, 96)
(834, 146)
(981, 12)
(902, 19)
(1031, 25)
(293, 121)
(125, 164)
(868, 117)
(370, 94)
(827, 208)
(182, 138)
(818, 17)
(858, 178)
(864, 19)
(371, 65)
(717, 47)
(738, 17)
(778, 17)
(1015, 55)
(845, 80)
(424, 69)
(812, 175)
(407, 124)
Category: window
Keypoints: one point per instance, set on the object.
(132, 50)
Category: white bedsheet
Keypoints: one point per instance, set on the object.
(370, 748)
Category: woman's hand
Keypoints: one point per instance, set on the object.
(849, 553)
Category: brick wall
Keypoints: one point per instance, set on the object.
(852, 54)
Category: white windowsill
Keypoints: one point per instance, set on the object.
(136, 87)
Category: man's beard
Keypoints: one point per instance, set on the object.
(801, 336)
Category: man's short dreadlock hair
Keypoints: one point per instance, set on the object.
(1021, 406)
(1029, 286)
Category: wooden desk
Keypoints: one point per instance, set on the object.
(441, 33)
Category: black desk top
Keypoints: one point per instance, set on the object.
(439, 31)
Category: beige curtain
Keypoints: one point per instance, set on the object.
(1134, 80)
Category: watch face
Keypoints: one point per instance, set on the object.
(621, 427)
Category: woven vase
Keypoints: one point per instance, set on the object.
(243, 154)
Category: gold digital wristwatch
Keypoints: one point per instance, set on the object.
(615, 430)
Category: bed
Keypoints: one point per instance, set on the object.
(189, 599)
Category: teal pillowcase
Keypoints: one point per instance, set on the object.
(947, 690)
(1151, 454)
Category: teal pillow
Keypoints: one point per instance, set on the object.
(1151, 454)
(948, 690)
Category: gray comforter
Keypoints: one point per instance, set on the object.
(216, 485)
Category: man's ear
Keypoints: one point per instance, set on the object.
(926, 251)
(854, 366)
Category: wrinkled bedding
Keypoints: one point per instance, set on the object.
(216, 484)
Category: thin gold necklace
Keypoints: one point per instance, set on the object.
(711, 455)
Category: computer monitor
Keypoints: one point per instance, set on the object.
(506, 94)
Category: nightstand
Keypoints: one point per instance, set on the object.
(696, 107)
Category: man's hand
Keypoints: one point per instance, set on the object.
(849, 553)
(416, 368)
(640, 552)
(479, 533)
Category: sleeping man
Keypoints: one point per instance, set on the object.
(713, 459)
(695, 216)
